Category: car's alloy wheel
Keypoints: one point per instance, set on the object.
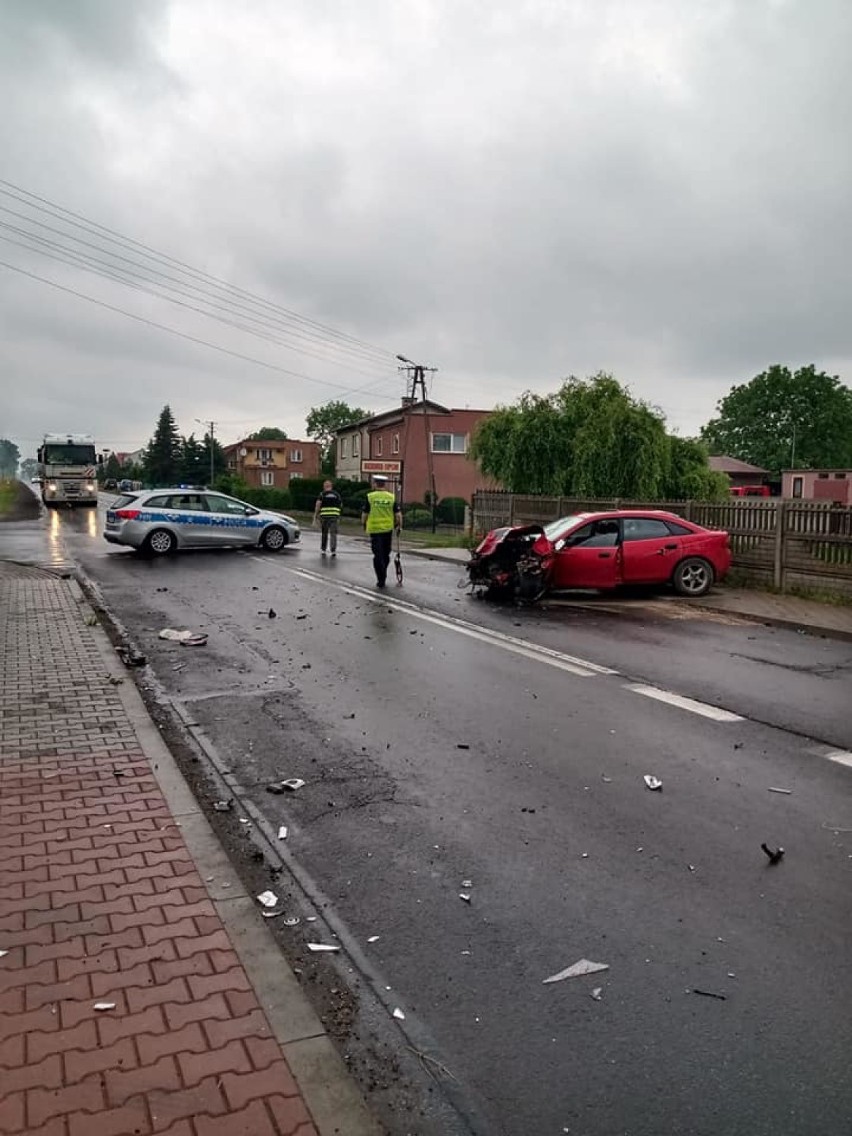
(693, 577)
(273, 539)
(160, 542)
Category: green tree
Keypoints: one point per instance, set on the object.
(590, 438)
(323, 421)
(192, 464)
(29, 469)
(9, 456)
(162, 459)
(268, 434)
(688, 476)
(785, 418)
(112, 469)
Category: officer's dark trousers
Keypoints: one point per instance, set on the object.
(381, 546)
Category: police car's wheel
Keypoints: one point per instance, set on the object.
(273, 539)
(160, 542)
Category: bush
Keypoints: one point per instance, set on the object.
(451, 510)
(416, 516)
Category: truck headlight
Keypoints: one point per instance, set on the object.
(52, 487)
(90, 488)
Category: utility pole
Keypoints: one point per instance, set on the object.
(417, 374)
(211, 427)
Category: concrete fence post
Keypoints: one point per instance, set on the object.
(778, 558)
(511, 508)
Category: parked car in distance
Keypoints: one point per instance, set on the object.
(600, 551)
(159, 521)
(110, 485)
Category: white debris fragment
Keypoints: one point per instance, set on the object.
(652, 782)
(399, 1015)
(596, 993)
(373, 938)
(268, 899)
(104, 1006)
(3, 954)
(282, 832)
(467, 884)
(465, 895)
(293, 783)
(322, 947)
(786, 792)
(582, 966)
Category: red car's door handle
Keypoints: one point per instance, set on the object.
(666, 548)
(604, 555)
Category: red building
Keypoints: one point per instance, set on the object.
(415, 445)
(273, 464)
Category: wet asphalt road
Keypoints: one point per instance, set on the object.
(443, 740)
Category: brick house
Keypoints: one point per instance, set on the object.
(742, 474)
(273, 464)
(400, 444)
(818, 485)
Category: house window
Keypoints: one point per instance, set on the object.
(264, 455)
(797, 486)
(231, 463)
(379, 446)
(822, 476)
(343, 448)
(267, 477)
(840, 476)
(395, 444)
(355, 446)
(449, 443)
(295, 476)
(295, 455)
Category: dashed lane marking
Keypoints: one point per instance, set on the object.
(583, 668)
(683, 703)
(840, 756)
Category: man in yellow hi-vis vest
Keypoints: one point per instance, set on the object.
(380, 516)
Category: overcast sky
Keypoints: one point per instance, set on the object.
(510, 190)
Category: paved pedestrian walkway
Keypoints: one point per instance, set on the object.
(124, 1007)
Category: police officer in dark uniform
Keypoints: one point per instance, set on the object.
(328, 508)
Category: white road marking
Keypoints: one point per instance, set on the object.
(841, 756)
(690, 704)
(580, 667)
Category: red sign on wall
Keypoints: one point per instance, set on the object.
(381, 467)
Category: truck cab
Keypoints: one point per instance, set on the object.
(68, 469)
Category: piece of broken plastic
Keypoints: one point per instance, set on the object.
(373, 939)
(268, 899)
(293, 783)
(222, 806)
(191, 638)
(596, 993)
(322, 947)
(652, 782)
(282, 832)
(399, 1015)
(465, 896)
(582, 966)
(104, 1006)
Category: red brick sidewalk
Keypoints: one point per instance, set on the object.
(101, 903)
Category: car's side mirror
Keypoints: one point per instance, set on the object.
(249, 512)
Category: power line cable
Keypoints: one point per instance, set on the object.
(104, 232)
(175, 331)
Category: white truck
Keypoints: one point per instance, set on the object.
(68, 468)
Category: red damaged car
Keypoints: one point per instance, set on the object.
(600, 551)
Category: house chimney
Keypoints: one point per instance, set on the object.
(407, 401)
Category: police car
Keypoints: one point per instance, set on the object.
(160, 521)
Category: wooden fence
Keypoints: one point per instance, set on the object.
(785, 543)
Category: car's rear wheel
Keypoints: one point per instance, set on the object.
(693, 577)
(274, 538)
(159, 543)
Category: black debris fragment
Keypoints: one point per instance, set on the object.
(774, 857)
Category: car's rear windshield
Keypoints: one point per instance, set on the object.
(556, 528)
(125, 499)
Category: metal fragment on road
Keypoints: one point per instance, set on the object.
(316, 947)
(292, 784)
(223, 806)
(711, 994)
(180, 636)
(465, 896)
(467, 884)
(775, 789)
(579, 968)
(268, 899)
(282, 832)
(653, 783)
(597, 993)
(104, 1006)
(244, 820)
(399, 1015)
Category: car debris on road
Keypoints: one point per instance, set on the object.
(774, 857)
(268, 899)
(318, 947)
(577, 969)
(653, 783)
(223, 806)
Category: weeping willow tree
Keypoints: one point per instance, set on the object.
(591, 438)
